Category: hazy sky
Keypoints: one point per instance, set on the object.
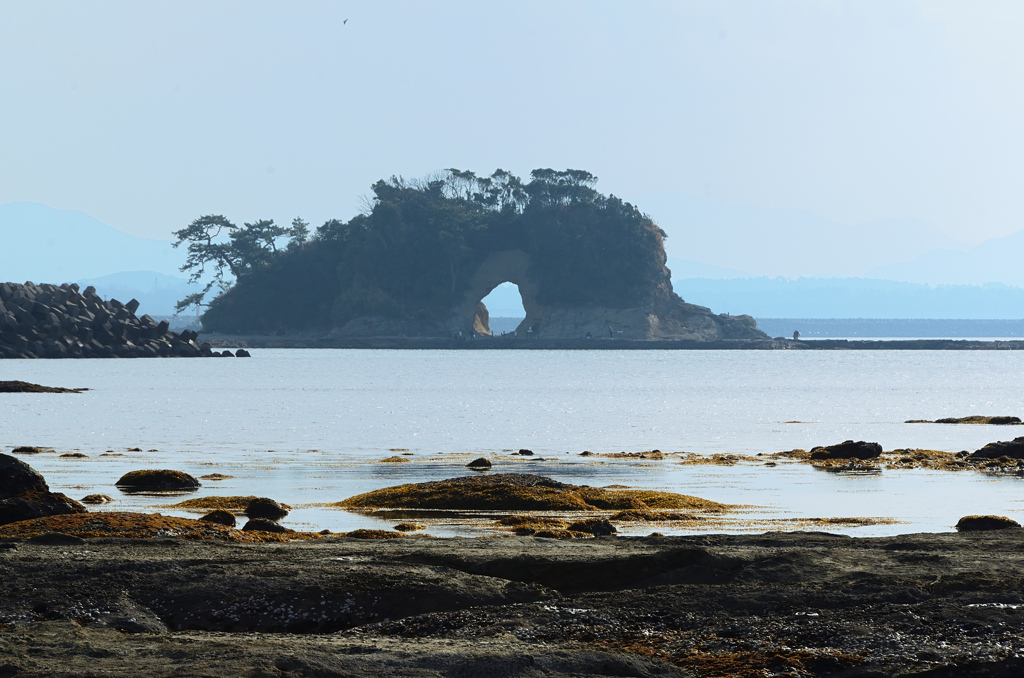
(147, 115)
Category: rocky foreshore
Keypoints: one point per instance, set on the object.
(796, 604)
(58, 321)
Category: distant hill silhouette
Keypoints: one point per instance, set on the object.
(998, 260)
(43, 244)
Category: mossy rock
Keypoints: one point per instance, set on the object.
(29, 449)
(74, 455)
(394, 460)
(221, 518)
(236, 504)
(981, 523)
(157, 480)
(599, 527)
(30, 505)
(371, 534)
(141, 526)
(518, 492)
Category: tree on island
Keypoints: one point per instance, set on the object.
(412, 252)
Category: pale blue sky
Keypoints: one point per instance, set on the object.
(146, 115)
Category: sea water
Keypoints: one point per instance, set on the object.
(308, 426)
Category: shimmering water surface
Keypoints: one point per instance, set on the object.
(307, 426)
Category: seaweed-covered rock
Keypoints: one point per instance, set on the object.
(519, 492)
(28, 449)
(220, 517)
(97, 499)
(848, 449)
(17, 477)
(156, 480)
(262, 507)
(979, 523)
(264, 525)
(30, 505)
(1014, 449)
(480, 464)
(599, 527)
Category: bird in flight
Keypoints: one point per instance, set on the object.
(344, 22)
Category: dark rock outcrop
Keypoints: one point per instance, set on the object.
(480, 464)
(848, 450)
(29, 505)
(1014, 449)
(58, 321)
(220, 517)
(262, 507)
(17, 477)
(156, 480)
(980, 523)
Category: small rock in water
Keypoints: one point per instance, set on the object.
(979, 523)
(526, 453)
(97, 499)
(480, 464)
(156, 480)
(848, 450)
(263, 507)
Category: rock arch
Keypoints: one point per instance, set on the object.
(500, 267)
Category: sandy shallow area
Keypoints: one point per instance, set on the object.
(780, 604)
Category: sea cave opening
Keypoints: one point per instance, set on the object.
(503, 310)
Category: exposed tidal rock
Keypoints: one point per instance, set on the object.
(27, 387)
(980, 523)
(58, 321)
(1000, 420)
(263, 507)
(97, 499)
(1014, 449)
(220, 517)
(480, 464)
(156, 480)
(17, 477)
(29, 505)
(848, 450)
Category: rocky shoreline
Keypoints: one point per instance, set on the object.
(789, 604)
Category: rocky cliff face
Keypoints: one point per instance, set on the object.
(663, 315)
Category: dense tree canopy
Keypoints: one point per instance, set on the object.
(412, 253)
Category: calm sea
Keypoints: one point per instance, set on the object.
(308, 426)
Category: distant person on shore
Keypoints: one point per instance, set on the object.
(796, 335)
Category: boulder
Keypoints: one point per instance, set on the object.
(848, 450)
(156, 480)
(30, 505)
(220, 517)
(980, 523)
(599, 527)
(262, 507)
(480, 464)
(264, 525)
(17, 477)
(526, 453)
(1014, 449)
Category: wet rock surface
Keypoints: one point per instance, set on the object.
(848, 449)
(1012, 449)
(796, 604)
(156, 480)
